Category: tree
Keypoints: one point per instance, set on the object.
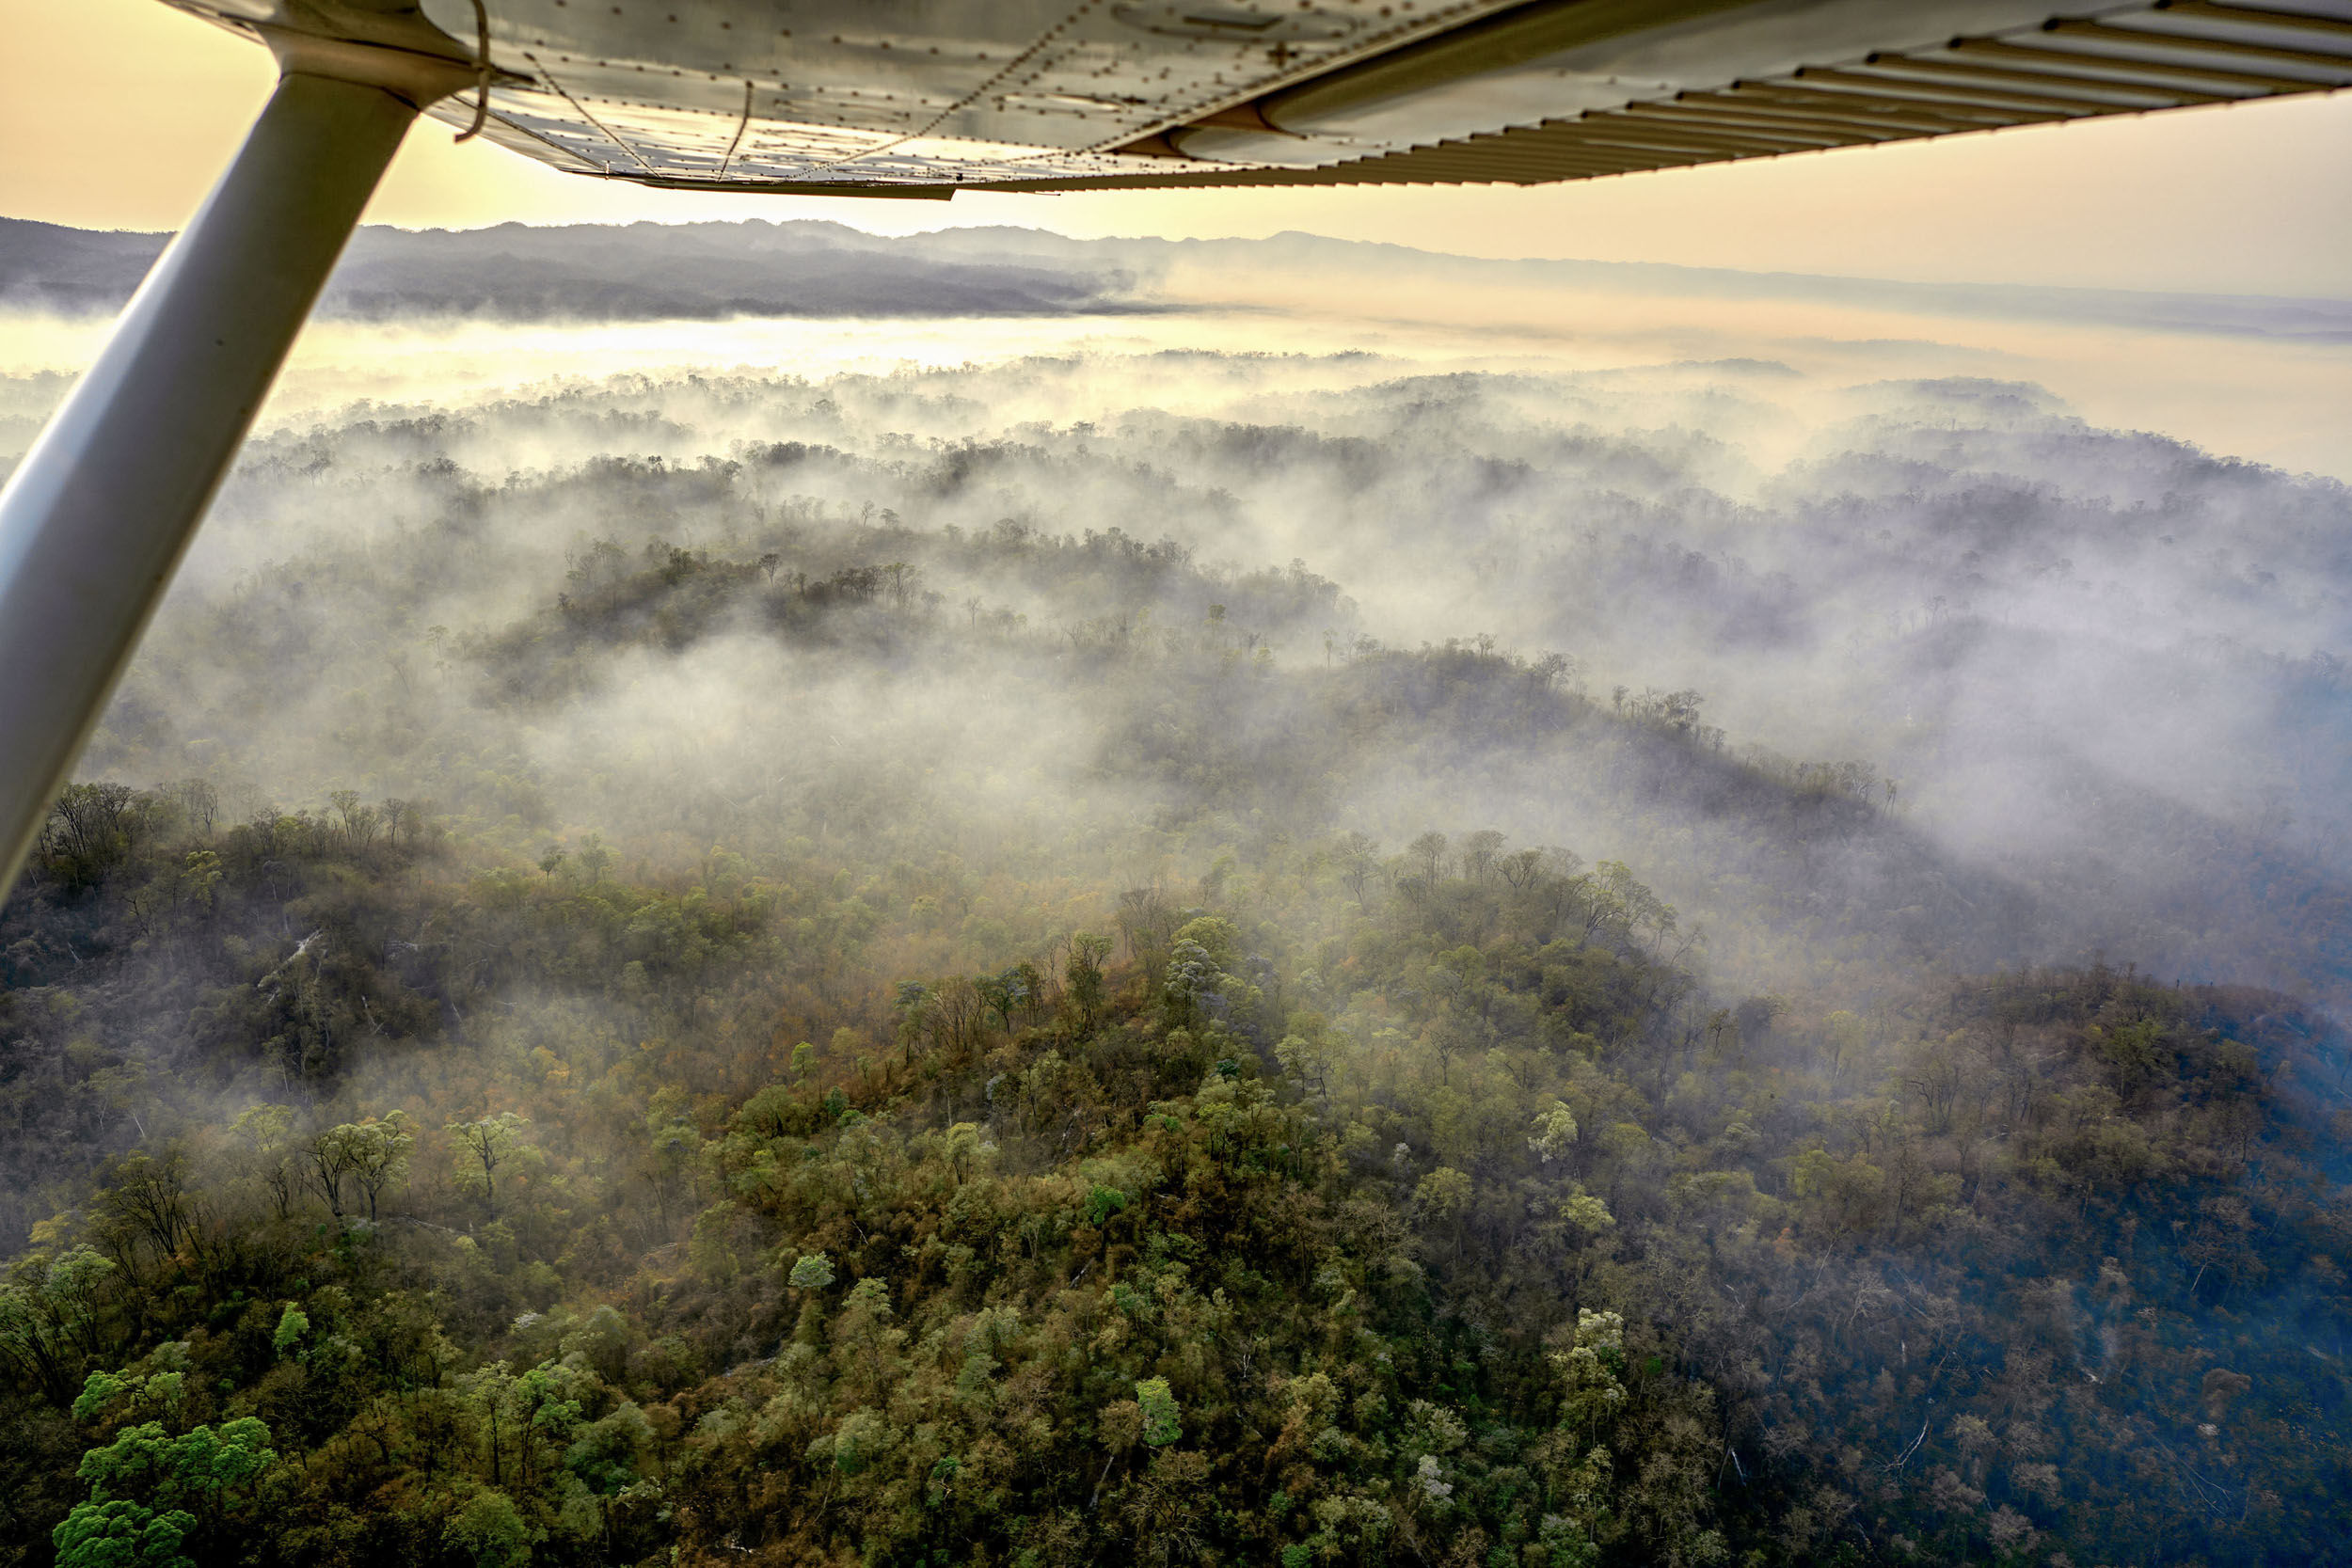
(489, 1532)
(122, 1534)
(55, 1318)
(374, 1152)
(198, 1479)
(595, 858)
(329, 1156)
(265, 1134)
(1305, 1064)
(1555, 1134)
(1159, 1406)
(1193, 986)
(1003, 994)
(90, 829)
(1198, 990)
(1165, 1506)
(1443, 1197)
(1482, 854)
(148, 1200)
(1359, 857)
(1427, 856)
(862, 1334)
(1591, 1391)
(198, 800)
(482, 1146)
(1083, 974)
(360, 823)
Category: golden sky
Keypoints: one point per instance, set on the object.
(118, 113)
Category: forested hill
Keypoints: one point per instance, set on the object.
(676, 972)
(813, 268)
(640, 272)
(951, 643)
(1344, 1208)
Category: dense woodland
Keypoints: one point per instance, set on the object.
(1348, 1207)
(828, 1018)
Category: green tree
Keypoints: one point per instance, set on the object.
(55, 1318)
(481, 1146)
(1590, 1369)
(122, 1534)
(373, 1153)
(1160, 1424)
(489, 1532)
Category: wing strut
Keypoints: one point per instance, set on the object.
(99, 513)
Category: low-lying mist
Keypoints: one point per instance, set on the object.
(1507, 916)
(2098, 670)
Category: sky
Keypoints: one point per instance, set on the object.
(118, 114)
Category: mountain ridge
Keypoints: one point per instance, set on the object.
(650, 271)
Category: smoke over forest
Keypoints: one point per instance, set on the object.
(1198, 946)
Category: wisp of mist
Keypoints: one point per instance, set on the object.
(2102, 663)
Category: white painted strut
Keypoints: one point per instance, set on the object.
(98, 514)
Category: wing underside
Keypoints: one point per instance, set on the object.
(922, 98)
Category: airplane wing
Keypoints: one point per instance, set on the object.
(922, 98)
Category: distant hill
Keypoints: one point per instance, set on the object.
(636, 272)
(808, 268)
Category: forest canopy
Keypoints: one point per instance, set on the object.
(688, 971)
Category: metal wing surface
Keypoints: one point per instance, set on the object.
(922, 98)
